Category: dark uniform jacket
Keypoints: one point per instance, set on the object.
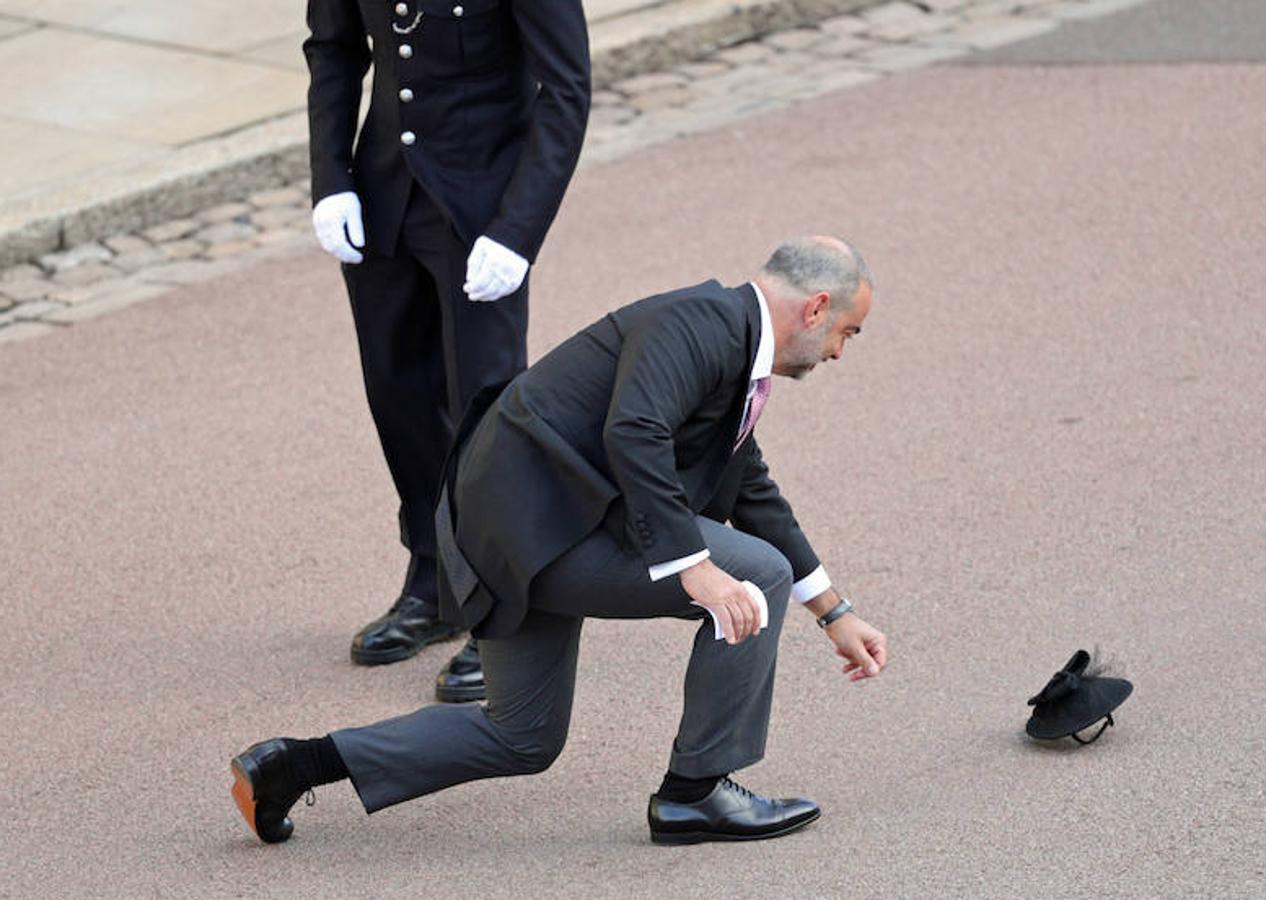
(482, 102)
(630, 426)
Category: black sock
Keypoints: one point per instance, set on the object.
(680, 789)
(315, 762)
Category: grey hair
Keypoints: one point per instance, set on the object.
(813, 264)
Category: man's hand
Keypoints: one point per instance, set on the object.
(339, 227)
(493, 271)
(723, 596)
(865, 647)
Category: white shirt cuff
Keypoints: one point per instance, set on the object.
(672, 567)
(810, 585)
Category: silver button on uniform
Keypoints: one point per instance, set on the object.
(458, 11)
(408, 138)
(405, 51)
(402, 9)
(406, 95)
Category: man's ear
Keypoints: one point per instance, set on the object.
(815, 309)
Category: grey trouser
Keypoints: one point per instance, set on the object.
(531, 678)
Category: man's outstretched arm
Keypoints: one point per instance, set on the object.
(761, 510)
(863, 647)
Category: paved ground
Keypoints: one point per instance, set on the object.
(1049, 437)
(146, 78)
(154, 110)
(1173, 31)
(131, 264)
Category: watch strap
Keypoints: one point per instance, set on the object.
(844, 606)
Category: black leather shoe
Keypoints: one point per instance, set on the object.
(406, 628)
(730, 813)
(263, 790)
(462, 680)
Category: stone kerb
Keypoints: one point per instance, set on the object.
(262, 156)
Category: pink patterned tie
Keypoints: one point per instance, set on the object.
(754, 407)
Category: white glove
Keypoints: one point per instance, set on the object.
(493, 271)
(339, 227)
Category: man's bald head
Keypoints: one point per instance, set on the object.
(818, 263)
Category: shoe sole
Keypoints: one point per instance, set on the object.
(385, 657)
(244, 790)
(460, 694)
(700, 837)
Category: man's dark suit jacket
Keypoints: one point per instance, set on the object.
(629, 425)
(500, 98)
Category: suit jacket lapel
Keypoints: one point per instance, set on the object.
(751, 308)
(721, 452)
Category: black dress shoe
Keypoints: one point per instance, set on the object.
(730, 813)
(462, 680)
(406, 628)
(263, 790)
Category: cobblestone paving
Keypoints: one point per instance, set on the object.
(780, 69)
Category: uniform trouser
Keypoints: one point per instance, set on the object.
(425, 351)
(531, 677)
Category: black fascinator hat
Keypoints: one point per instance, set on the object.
(1073, 700)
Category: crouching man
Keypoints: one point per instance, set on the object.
(597, 483)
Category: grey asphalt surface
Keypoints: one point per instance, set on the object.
(1050, 436)
(1159, 31)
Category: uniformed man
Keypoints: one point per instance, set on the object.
(475, 126)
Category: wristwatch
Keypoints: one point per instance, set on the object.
(835, 612)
